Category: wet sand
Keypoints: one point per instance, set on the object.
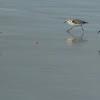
(53, 68)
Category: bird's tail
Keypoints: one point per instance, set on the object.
(85, 22)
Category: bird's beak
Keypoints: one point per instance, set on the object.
(65, 22)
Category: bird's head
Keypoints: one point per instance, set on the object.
(67, 20)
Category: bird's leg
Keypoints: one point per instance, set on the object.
(70, 34)
(69, 29)
(82, 35)
(82, 28)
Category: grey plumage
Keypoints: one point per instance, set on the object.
(77, 21)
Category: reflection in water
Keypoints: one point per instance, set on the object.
(75, 36)
(75, 39)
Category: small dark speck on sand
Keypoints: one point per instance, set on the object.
(99, 52)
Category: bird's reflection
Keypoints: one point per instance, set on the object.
(75, 39)
(75, 36)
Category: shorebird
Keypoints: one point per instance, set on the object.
(75, 23)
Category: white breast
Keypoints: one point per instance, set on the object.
(73, 24)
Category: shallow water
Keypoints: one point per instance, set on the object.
(53, 69)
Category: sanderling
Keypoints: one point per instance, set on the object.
(75, 23)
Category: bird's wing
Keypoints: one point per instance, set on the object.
(77, 21)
